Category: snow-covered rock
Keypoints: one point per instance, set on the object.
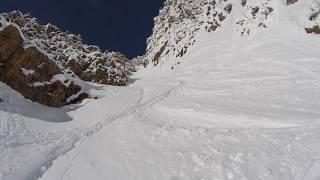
(88, 62)
(33, 55)
(180, 22)
(32, 73)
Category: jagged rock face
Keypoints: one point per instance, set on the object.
(88, 62)
(178, 25)
(139, 61)
(32, 73)
(123, 60)
(167, 36)
(181, 22)
(42, 62)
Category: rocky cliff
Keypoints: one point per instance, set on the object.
(45, 64)
(181, 22)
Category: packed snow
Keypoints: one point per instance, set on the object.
(27, 72)
(236, 108)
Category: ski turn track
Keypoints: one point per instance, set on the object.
(78, 137)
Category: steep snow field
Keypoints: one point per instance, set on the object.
(235, 108)
(231, 110)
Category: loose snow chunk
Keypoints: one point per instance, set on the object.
(27, 72)
(62, 78)
(59, 77)
(37, 84)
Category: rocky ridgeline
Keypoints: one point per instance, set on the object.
(180, 22)
(44, 63)
(176, 28)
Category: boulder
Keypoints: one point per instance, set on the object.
(30, 72)
(289, 2)
(314, 29)
(10, 41)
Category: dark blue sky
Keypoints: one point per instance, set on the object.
(119, 25)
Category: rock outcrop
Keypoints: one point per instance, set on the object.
(44, 63)
(180, 23)
(33, 74)
(88, 62)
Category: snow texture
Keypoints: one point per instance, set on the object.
(235, 108)
(27, 72)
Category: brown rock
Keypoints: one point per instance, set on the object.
(291, 2)
(212, 28)
(221, 17)
(15, 60)
(10, 41)
(118, 57)
(314, 29)
(159, 53)
(62, 45)
(103, 77)
(75, 67)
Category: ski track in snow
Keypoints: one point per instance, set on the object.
(215, 124)
(64, 142)
(229, 150)
(138, 106)
(236, 150)
(253, 121)
(234, 109)
(212, 125)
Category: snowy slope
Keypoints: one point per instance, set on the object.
(224, 114)
(242, 108)
(239, 108)
(180, 23)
